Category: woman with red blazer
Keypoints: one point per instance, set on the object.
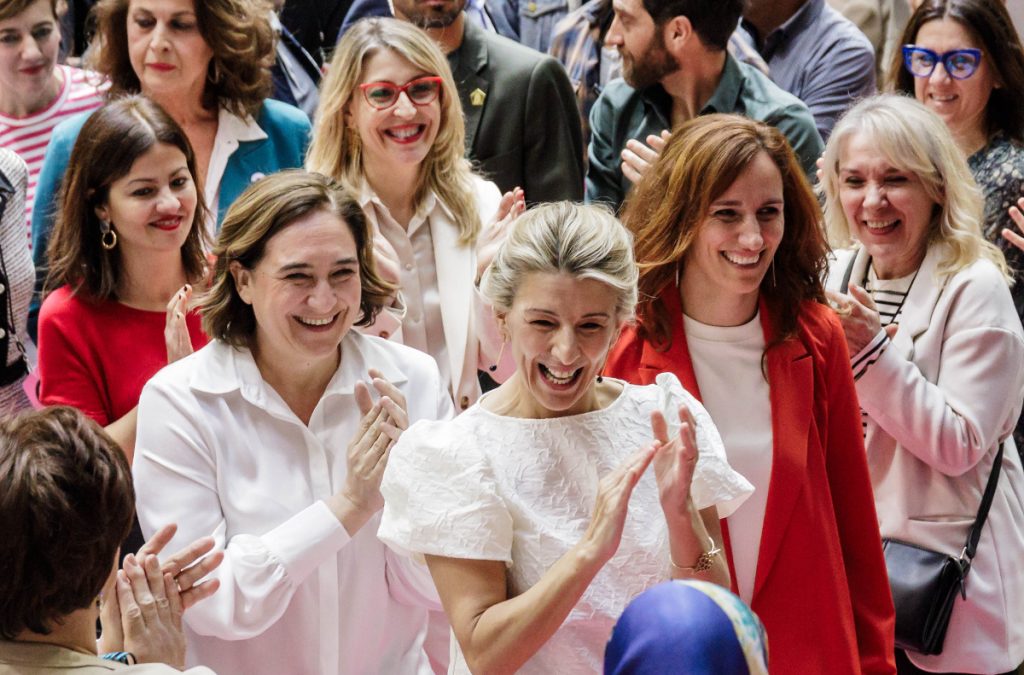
(731, 261)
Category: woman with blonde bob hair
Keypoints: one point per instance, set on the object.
(932, 331)
(731, 259)
(270, 439)
(390, 128)
(541, 558)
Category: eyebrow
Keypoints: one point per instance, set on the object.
(291, 267)
(553, 313)
(147, 179)
(736, 202)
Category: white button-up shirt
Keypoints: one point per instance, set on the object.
(220, 453)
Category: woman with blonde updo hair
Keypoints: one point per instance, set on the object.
(520, 504)
(390, 128)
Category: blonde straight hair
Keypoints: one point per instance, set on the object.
(916, 140)
(336, 149)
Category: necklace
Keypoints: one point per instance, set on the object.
(899, 307)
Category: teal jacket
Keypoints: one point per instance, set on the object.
(287, 128)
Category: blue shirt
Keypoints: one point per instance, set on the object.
(821, 58)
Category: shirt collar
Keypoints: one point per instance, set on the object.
(430, 202)
(727, 93)
(804, 17)
(241, 129)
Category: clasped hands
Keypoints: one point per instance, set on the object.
(859, 316)
(142, 603)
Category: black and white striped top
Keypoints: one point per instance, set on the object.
(888, 296)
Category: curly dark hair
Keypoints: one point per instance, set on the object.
(66, 504)
(665, 211)
(238, 32)
(990, 24)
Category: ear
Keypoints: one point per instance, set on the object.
(677, 33)
(243, 280)
(501, 318)
(102, 213)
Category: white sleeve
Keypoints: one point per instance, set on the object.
(440, 497)
(175, 474)
(715, 483)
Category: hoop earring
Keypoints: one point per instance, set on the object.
(108, 238)
(493, 367)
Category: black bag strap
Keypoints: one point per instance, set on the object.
(845, 286)
(986, 501)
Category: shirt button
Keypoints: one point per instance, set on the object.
(3, 333)
(2, 288)
(408, 266)
(464, 402)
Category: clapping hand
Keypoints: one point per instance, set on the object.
(605, 531)
(511, 206)
(176, 337)
(674, 464)
(859, 316)
(638, 157)
(1017, 215)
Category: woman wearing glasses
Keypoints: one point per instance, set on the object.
(964, 61)
(390, 129)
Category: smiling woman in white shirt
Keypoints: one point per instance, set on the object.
(390, 128)
(270, 440)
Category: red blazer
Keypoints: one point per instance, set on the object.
(820, 586)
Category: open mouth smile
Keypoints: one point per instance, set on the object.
(560, 379)
(316, 324)
(409, 133)
(742, 260)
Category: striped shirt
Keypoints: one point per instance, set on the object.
(888, 296)
(29, 136)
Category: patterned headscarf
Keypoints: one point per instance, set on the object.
(687, 628)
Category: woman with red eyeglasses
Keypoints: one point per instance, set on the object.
(390, 128)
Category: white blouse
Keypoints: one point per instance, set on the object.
(489, 487)
(220, 453)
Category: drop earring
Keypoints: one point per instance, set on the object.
(494, 366)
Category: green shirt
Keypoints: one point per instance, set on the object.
(622, 113)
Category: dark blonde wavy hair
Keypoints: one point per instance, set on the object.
(264, 209)
(238, 32)
(666, 209)
(110, 141)
(336, 149)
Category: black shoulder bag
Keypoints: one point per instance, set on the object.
(925, 583)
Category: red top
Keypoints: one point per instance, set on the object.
(97, 356)
(820, 587)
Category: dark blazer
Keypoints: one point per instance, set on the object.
(820, 586)
(522, 125)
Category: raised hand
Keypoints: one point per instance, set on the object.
(674, 464)
(638, 157)
(367, 453)
(1017, 215)
(605, 531)
(859, 316)
(176, 337)
(511, 206)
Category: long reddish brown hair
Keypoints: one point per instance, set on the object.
(665, 211)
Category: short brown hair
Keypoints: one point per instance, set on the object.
(988, 21)
(264, 209)
(66, 504)
(12, 8)
(665, 210)
(110, 141)
(238, 32)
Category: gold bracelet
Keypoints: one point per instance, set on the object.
(704, 560)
